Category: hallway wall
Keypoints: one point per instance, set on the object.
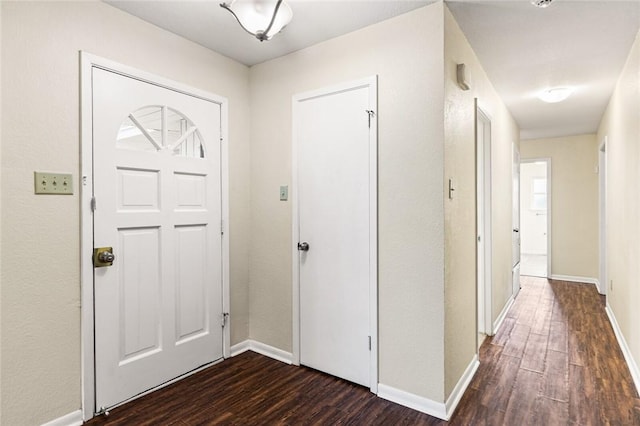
(40, 306)
(406, 54)
(460, 212)
(621, 126)
(574, 201)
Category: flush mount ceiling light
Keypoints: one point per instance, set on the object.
(541, 3)
(557, 94)
(261, 18)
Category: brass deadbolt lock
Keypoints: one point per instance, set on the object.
(103, 256)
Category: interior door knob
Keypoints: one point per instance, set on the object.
(303, 246)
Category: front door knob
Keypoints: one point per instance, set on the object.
(103, 256)
(106, 257)
(303, 246)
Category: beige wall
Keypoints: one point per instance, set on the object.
(621, 126)
(40, 105)
(460, 212)
(574, 201)
(406, 54)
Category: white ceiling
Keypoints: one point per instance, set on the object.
(523, 49)
(206, 23)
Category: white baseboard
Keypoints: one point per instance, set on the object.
(262, 349)
(461, 386)
(628, 356)
(498, 322)
(576, 279)
(239, 348)
(424, 405)
(71, 419)
(597, 283)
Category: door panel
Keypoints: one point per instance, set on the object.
(334, 218)
(157, 186)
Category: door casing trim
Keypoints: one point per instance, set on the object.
(487, 244)
(372, 83)
(602, 221)
(87, 63)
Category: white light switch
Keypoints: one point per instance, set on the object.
(53, 183)
(284, 193)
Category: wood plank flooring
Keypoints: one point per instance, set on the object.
(555, 361)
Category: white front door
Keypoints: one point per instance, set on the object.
(157, 188)
(336, 213)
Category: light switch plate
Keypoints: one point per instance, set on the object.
(284, 193)
(53, 183)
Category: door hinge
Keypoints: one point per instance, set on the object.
(93, 204)
(369, 342)
(370, 113)
(225, 319)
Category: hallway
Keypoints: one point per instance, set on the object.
(555, 361)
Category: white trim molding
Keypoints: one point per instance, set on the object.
(628, 356)
(463, 383)
(71, 419)
(576, 279)
(440, 410)
(262, 349)
(498, 322)
(600, 290)
(415, 402)
(240, 348)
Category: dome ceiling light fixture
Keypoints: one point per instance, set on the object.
(261, 18)
(555, 95)
(541, 3)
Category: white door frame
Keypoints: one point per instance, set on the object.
(372, 84)
(549, 205)
(602, 178)
(87, 63)
(486, 153)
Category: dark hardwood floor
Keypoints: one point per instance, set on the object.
(555, 361)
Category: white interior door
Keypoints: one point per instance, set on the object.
(515, 218)
(336, 205)
(157, 188)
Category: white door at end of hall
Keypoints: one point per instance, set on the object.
(333, 168)
(157, 190)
